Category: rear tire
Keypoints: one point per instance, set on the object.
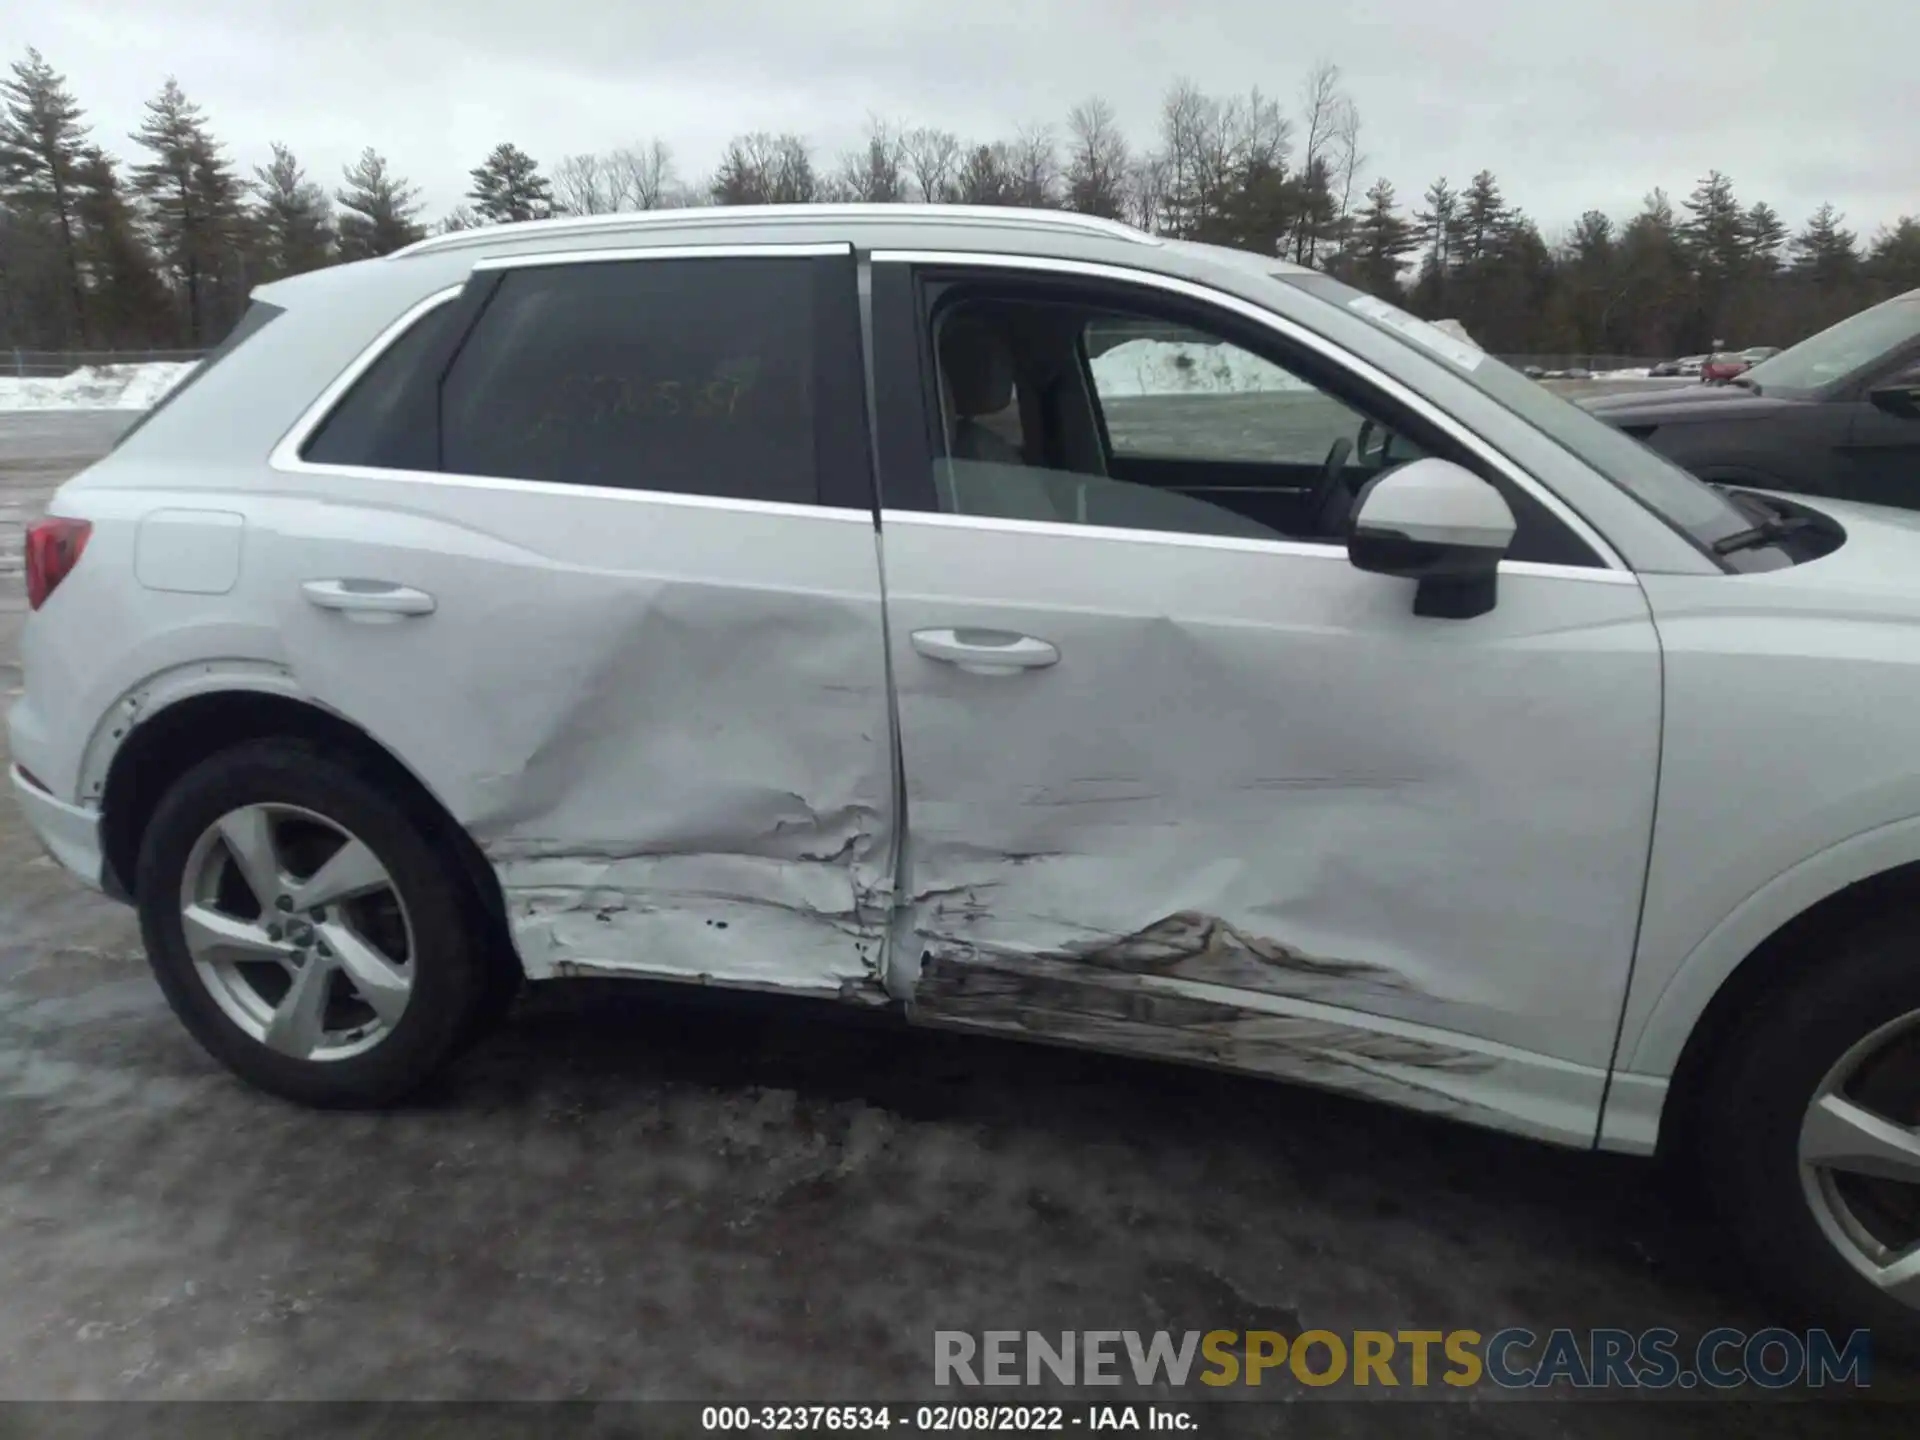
(382, 1002)
(1818, 1090)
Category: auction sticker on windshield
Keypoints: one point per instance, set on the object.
(1466, 356)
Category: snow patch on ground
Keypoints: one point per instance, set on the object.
(1636, 374)
(94, 387)
(1177, 367)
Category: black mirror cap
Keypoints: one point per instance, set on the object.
(1456, 582)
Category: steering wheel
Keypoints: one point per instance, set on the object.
(1327, 488)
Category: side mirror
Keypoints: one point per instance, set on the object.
(1433, 522)
(1898, 396)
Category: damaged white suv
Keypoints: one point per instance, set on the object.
(1024, 621)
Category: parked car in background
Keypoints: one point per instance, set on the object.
(1838, 414)
(1691, 364)
(1758, 353)
(1025, 623)
(1664, 368)
(1722, 367)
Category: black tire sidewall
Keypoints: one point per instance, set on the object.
(446, 979)
(1757, 1100)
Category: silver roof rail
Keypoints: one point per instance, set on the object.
(717, 216)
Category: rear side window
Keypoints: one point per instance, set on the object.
(692, 376)
(251, 324)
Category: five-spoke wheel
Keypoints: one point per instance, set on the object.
(313, 930)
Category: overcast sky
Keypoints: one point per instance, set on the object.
(1572, 103)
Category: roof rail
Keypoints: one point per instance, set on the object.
(715, 216)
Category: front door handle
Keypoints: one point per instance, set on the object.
(986, 652)
(368, 601)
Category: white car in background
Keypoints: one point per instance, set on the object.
(1024, 622)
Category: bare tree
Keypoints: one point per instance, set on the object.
(1145, 191)
(583, 185)
(1320, 106)
(1033, 163)
(641, 177)
(1183, 118)
(1347, 161)
(766, 169)
(874, 173)
(1097, 161)
(932, 159)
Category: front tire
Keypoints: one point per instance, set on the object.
(1811, 1136)
(304, 927)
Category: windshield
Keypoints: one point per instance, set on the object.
(1840, 350)
(1698, 511)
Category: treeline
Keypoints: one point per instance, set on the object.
(101, 252)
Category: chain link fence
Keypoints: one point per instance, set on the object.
(51, 364)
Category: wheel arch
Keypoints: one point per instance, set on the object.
(1785, 954)
(133, 764)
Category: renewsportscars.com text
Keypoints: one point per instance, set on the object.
(1511, 1358)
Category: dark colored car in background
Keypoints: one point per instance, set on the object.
(1837, 415)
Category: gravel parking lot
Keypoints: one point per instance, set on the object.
(637, 1194)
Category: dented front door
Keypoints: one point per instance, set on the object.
(1252, 810)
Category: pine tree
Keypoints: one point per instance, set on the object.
(42, 144)
(1824, 252)
(1715, 230)
(1653, 272)
(1316, 210)
(1484, 220)
(127, 300)
(1382, 240)
(509, 187)
(294, 217)
(194, 209)
(1437, 224)
(1895, 258)
(1765, 232)
(381, 211)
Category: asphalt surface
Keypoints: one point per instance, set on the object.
(631, 1193)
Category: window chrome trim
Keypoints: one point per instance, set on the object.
(285, 456)
(1299, 335)
(858, 515)
(1190, 540)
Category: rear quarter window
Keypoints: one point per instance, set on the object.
(361, 428)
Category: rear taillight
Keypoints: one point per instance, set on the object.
(54, 547)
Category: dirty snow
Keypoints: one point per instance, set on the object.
(1178, 367)
(94, 387)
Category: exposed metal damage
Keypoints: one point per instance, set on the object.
(1069, 1001)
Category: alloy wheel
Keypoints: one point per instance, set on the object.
(1860, 1157)
(297, 931)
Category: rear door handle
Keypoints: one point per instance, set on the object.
(373, 601)
(986, 652)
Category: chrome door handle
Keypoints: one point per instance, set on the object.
(986, 652)
(367, 600)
